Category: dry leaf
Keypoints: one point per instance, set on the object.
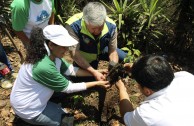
(11, 111)
(5, 113)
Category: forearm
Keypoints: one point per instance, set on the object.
(83, 63)
(22, 36)
(52, 19)
(113, 56)
(92, 84)
(125, 104)
(82, 72)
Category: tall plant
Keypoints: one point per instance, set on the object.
(125, 13)
(65, 9)
(152, 13)
(5, 13)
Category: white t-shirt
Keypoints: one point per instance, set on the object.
(35, 85)
(172, 106)
(39, 15)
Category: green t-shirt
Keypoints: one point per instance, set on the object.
(20, 12)
(51, 74)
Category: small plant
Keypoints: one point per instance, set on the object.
(77, 99)
(132, 53)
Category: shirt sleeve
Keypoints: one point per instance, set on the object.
(133, 119)
(46, 73)
(19, 14)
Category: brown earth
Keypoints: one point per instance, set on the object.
(84, 104)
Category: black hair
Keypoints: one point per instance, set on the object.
(36, 50)
(153, 72)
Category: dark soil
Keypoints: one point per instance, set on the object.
(84, 104)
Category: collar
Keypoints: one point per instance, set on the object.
(155, 95)
(84, 29)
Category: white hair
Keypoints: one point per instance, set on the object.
(94, 13)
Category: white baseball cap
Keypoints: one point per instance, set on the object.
(58, 35)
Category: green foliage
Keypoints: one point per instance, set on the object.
(125, 14)
(65, 9)
(5, 13)
(152, 13)
(77, 99)
(183, 41)
(132, 53)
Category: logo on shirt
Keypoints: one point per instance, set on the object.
(44, 15)
(86, 40)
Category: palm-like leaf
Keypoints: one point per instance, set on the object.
(5, 14)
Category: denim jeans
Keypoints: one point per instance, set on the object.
(104, 55)
(4, 58)
(51, 116)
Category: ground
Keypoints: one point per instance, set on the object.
(85, 105)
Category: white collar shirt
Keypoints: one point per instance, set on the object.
(172, 106)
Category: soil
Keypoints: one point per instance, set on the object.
(85, 105)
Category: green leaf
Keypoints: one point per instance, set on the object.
(120, 21)
(125, 49)
(117, 5)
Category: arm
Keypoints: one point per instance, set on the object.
(113, 55)
(125, 104)
(52, 19)
(75, 87)
(22, 36)
(85, 65)
(77, 57)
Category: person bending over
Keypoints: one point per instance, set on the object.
(169, 96)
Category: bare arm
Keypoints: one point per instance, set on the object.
(52, 19)
(104, 84)
(125, 104)
(22, 36)
(85, 65)
(79, 59)
(82, 72)
(113, 55)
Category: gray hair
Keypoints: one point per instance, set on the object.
(94, 13)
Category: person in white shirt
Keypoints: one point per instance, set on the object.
(27, 14)
(43, 73)
(169, 96)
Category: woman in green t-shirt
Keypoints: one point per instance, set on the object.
(43, 73)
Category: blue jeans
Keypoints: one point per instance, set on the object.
(51, 116)
(4, 58)
(104, 56)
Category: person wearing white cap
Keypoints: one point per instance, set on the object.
(43, 73)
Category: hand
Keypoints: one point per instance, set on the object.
(120, 85)
(104, 84)
(111, 65)
(99, 76)
(128, 66)
(103, 71)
